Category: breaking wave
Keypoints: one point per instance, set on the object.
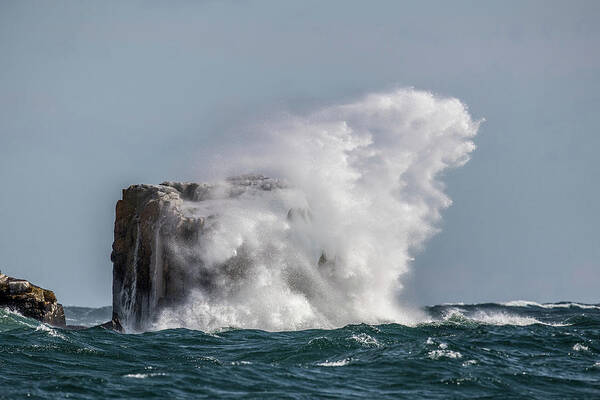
(491, 317)
(525, 303)
(363, 192)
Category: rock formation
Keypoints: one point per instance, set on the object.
(31, 301)
(152, 222)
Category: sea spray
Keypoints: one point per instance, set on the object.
(362, 193)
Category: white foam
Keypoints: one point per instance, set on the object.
(437, 354)
(7, 313)
(339, 363)
(365, 340)
(496, 318)
(49, 331)
(210, 359)
(241, 363)
(525, 303)
(144, 376)
(521, 303)
(369, 174)
(503, 318)
(580, 347)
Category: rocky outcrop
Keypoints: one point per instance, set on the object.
(154, 226)
(31, 301)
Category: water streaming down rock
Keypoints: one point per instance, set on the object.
(153, 224)
(325, 249)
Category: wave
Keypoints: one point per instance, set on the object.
(144, 376)
(472, 315)
(329, 248)
(458, 345)
(525, 303)
(512, 313)
(339, 363)
(486, 317)
(437, 354)
(11, 320)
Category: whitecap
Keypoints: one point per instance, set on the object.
(50, 331)
(241, 363)
(526, 303)
(502, 318)
(339, 363)
(580, 347)
(497, 318)
(437, 354)
(144, 376)
(365, 339)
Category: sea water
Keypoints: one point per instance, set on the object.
(516, 350)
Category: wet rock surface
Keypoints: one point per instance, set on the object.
(152, 224)
(31, 301)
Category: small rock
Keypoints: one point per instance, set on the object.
(31, 301)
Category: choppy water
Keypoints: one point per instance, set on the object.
(517, 350)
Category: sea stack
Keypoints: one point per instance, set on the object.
(31, 301)
(156, 229)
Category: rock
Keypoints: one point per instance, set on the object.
(152, 224)
(18, 287)
(113, 325)
(31, 301)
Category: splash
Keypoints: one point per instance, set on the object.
(362, 194)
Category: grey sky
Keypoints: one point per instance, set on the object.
(95, 96)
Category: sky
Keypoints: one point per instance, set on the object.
(95, 96)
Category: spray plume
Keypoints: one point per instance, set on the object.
(362, 194)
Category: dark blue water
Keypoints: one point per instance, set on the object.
(515, 351)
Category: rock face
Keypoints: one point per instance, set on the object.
(152, 222)
(31, 301)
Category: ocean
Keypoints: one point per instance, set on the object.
(515, 350)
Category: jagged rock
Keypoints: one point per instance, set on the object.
(113, 325)
(31, 301)
(154, 221)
